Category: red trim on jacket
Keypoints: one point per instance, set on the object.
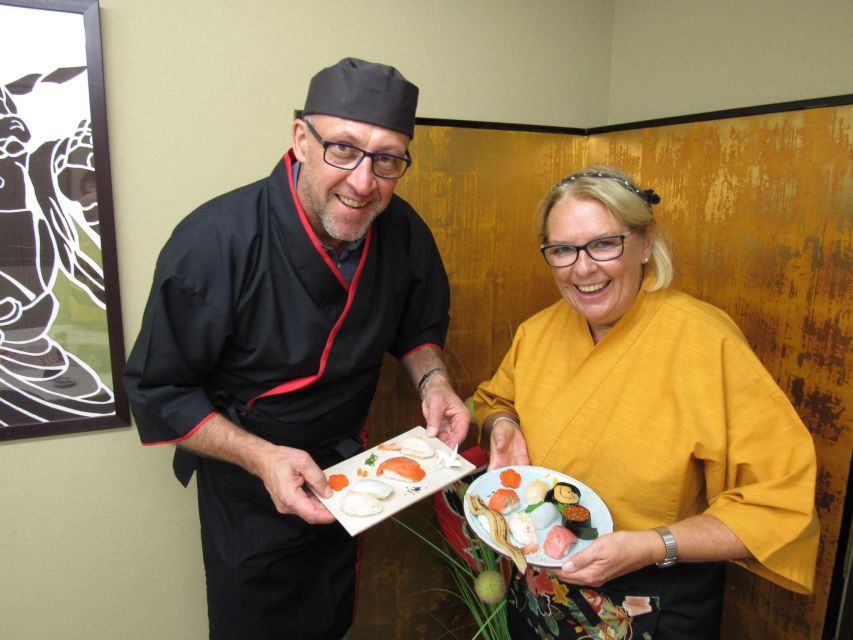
(289, 159)
(421, 346)
(205, 419)
(305, 381)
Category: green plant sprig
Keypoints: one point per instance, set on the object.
(490, 625)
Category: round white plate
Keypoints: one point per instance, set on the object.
(489, 482)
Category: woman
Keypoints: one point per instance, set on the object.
(655, 400)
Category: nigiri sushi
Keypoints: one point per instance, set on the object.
(504, 501)
(523, 532)
(417, 447)
(373, 487)
(535, 491)
(402, 469)
(558, 541)
(411, 446)
(544, 515)
(360, 504)
(498, 529)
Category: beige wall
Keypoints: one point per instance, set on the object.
(678, 57)
(97, 539)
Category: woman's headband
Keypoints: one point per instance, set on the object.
(648, 194)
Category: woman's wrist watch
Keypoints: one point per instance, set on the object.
(671, 556)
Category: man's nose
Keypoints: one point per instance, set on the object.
(361, 178)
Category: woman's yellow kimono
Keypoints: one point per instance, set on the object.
(669, 416)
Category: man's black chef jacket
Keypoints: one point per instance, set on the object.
(248, 314)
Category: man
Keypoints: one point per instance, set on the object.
(261, 344)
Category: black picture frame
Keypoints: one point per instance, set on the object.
(59, 290)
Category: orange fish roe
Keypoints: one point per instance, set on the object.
(361, 473)
(510, 478)
(338, 481)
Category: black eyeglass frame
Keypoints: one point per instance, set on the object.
(407, 159)
(578, 248)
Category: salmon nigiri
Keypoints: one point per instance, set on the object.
(403, 469)
(504, 500)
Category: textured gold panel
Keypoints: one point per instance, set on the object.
(759, 211)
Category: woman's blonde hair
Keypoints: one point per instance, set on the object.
(624, 200)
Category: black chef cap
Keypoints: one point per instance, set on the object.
(365, 91)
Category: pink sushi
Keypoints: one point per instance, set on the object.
(558, 541)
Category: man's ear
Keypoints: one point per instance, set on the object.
(300, 140)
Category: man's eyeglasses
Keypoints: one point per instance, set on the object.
(600, 250)
(345, 156)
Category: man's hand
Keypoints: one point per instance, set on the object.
(287, 475)
(447, 417)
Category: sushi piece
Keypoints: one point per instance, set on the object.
(417, 447)
(578, 520)
(498, 529)
(523, 532)
(535, 491)
(484, 522)
(558, 541)
(411, 446)
(373, 487)
(401, 469)
(544, 514)
(564, 493)
(504, 501)
(360, 504)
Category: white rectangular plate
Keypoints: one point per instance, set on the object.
(404, 494)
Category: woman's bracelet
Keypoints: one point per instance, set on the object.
(429, 374)
(508, 419)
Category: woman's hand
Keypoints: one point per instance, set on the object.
(701, 538)
(610, 556)
(507, 445)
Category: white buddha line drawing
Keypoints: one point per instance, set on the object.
(48, 229)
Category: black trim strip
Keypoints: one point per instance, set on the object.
(476, 124)
(778, 107)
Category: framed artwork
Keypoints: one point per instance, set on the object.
(61, 340)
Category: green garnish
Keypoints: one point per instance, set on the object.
(371, 460)
(533, 507)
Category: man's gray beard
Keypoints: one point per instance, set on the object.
(326, 220)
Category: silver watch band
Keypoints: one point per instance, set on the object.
(671, 556)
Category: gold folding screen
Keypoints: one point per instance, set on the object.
(759, 211)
